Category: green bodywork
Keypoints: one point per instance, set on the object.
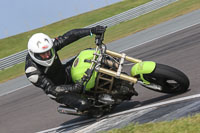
(80, 66)
(145, 67)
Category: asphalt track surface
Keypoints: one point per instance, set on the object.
(30, 110)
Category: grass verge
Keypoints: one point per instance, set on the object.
(12, 72)
(188, 124)
(114, 33)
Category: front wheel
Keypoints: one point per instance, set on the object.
(167, 79)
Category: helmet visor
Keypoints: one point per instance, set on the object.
(45, 56)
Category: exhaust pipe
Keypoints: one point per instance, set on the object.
(66, 110)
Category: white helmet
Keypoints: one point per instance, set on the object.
(40, 44)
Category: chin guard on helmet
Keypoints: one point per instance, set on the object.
(45, 56)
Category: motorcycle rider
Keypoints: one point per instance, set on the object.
(44, 69)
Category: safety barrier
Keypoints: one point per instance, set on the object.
(114, 20)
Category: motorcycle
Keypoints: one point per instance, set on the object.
(106, 85)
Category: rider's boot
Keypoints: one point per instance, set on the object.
(75, 101)
(77, 105)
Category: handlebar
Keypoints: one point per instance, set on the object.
(99, 38)
(88, 74)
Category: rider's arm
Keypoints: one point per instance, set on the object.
(74, 35)
(70, 36)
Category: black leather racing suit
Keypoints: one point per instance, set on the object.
(52, 78)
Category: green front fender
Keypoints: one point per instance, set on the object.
(145, 67)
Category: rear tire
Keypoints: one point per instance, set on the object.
(170, 79)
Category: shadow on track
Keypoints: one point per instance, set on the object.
(127, 105)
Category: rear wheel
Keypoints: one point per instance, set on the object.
(167, 79)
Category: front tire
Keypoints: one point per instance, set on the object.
(171, 80)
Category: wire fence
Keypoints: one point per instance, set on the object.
(114, 20)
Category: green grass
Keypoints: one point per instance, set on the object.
(183, 125)
(13, 72)
(19, 42)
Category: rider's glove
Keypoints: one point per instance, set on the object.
(98, 30)
(62, 89)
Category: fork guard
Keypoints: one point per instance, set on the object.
(145, 67)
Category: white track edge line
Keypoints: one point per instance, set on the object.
(159, 104)
(129, 111)
(6, 93)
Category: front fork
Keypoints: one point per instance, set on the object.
(118, 74)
